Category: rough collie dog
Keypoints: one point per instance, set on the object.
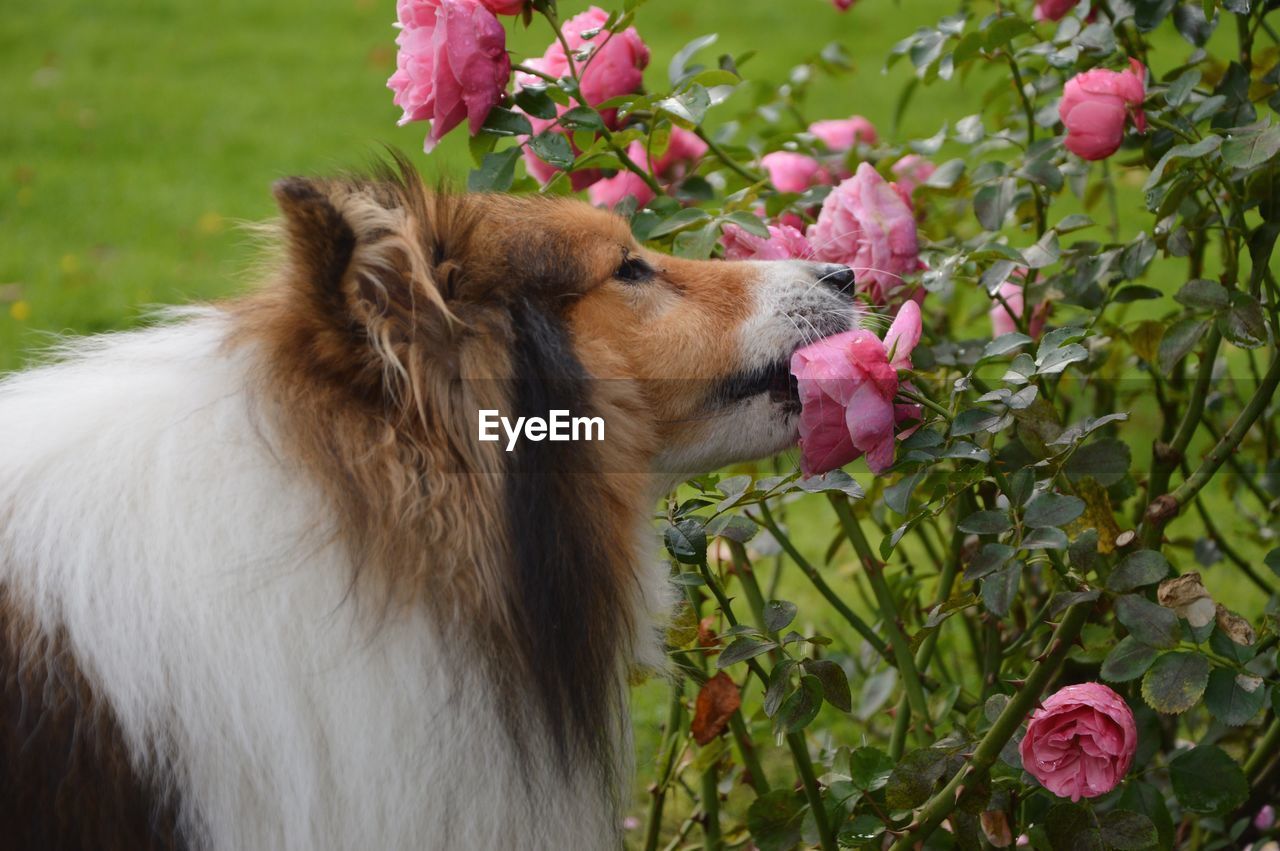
(263, 587)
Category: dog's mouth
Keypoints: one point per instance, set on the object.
(775, 379)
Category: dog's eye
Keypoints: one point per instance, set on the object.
(633, 271)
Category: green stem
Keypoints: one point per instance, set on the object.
(766, 518)
(800, 752)
(747, 749)
(874, 569)
(1263, 751)
(919, 399)
(729, 161)
(936, 810)
(658, 793)
(1165, 507)
(711, 810)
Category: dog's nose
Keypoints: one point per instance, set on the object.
(837, 276)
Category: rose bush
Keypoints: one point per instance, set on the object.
(1071, 422)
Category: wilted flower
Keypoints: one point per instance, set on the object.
(866, 223)
(1080, 742)
(841, 134)
(1187, 596)
(784, 242)
(1096, 105)
(792, 172)
(848, 384)
(452, 64)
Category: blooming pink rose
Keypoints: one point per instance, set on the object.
(452, 64)
(792, 172)
(625, 184)
(504, 7)
(1080, 742)
(866, 223)
(1003, 322)
(1095, 106)
(784, 242)
(911, 171)
(842, 134)
(847, 385)
(1054, 10)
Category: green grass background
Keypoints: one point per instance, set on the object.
(136, 134)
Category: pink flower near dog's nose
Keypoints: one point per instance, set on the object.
(784, 242)
(847, 385)
(1080, 742)
(867, 223)
(452, 64)
(1096, 105)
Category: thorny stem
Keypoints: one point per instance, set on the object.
(658, 799)
(936, 810)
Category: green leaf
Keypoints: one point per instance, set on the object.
(1206, 780)
(1056, 360)
(1144, 567)
(1004, 30)
(1252, 146)
(1154, 626)
(913, 779)
(779, 685)
(678, 68)
(505, 122)
(1106, 461)
(1201, 294)
(1053, 509)
(678, 221)
(1176, 681)
(775, 819)
(749, 222)
(798, 710)
(553, 148)
(495, 173)
(1000, 589)
(1181, 88)
(1145, 798)
(986, 523)
(1128, 660)
(992, 202)
(741, 649)
(1004, 344)
(778, 615)
(687, 541)
(689, 106)
(1126, 830)
(1243, 323)
(1234, 698)
(1205, 146)
(536, 102)
(1272, 560)
(946, 175)
(988, 560)
(835, 684)
(1178, 340)
(869, 769)
(1071, 827)
(582, 118)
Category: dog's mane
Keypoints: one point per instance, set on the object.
(381, 335)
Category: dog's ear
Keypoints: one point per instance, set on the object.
(365, 263)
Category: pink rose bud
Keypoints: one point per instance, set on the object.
(1002, 322)
(504, 7)
(625, 184)
(1265, 819)
(911, 171)
(792, 172)
(1054, 10)
(452, 64)
(867, 224)
(1096, 105)
(1080, 742)
(843, 5)
(848, 384)
(842, 134)
(784, 242)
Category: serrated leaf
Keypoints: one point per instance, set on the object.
(1203, 294)
(1144, 567)
(775, 819)
(1125, 830)
(1128, 660)
(913, 779)
(986, 523)
(1175, 682)
(1154, 626)
(988, 560)
(1178, 341)
(495, 173)
(687, 541)
(1234, 698)
(742, 649)
(1206, 780)
(1106, 461)
(778, 615)
(1250, 147)
(1000, 589)
(799, 710)
(835, 684)
(1052, 509)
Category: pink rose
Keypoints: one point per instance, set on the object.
(792, 172)
(682, 151)
(1003, 322)
(1080, 742)
(784, 242)
(1095, 106)
(843, 5)
(452, 64)
(866, 223)
(911, 171)
(842, 134)
(1265, 818)
(504, 7)
(847, 385)
(1054, 10)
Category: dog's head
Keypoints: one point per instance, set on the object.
(402, 313)
(410, 290)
